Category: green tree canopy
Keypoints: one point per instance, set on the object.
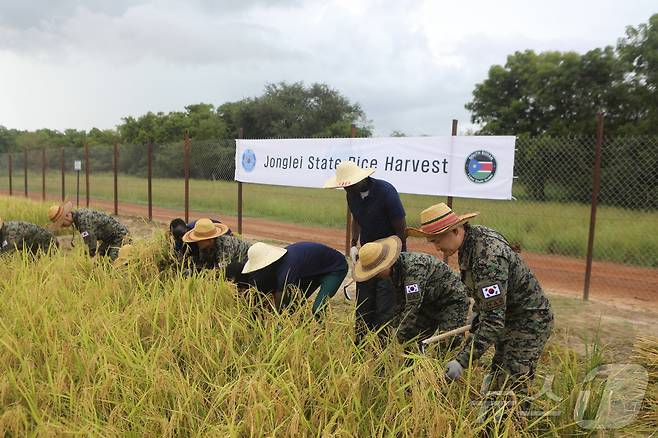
(294, 110)
(558, 93)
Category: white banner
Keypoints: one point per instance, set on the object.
(463, 166)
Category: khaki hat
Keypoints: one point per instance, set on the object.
(348, 174)
(376, 256)
(438, 219)
(126, 252)
(261, 255)
(204, 229)
(57, 213)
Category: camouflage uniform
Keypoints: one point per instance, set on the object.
(434, 296)
(514, 314)
(97, 226)
(16, 236)
(227, 249)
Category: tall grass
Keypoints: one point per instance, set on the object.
(92, 349)
(622, 235)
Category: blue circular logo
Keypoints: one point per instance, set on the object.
(248, 160)
(480, 166)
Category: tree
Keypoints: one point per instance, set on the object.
(291, 111)
(559, 93)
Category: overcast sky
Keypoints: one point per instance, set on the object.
(412, 65)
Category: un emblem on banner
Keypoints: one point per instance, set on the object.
(248, 160)
(480, 167)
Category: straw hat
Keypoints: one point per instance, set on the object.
(205, 229)
(438, 219)
(261, 255)
(126, 252)
(348, 174)
(376, 256)
(57, 213)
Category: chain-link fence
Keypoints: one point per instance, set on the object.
(549, 216)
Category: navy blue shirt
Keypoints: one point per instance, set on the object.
(305, 261)
(376, 212)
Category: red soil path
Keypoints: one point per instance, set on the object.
(632, 285)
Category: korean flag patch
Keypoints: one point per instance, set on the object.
(412, 288)
(490, 291)
(4, 243)
(85, 234)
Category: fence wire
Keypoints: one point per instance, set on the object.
(549, 217)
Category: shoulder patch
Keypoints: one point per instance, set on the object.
(412, 288)
(85, 234)
(490, 291)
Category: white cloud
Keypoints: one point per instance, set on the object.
(411, 65)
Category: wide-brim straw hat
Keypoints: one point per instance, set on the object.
(204, 229)
(57, 213)
(376, 256)
(260, 255)
(438, 219)
(348, 174)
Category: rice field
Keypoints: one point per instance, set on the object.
(88, 348)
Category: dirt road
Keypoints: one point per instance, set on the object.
(610, 281)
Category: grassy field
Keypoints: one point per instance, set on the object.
(90, 349)
(622, 235)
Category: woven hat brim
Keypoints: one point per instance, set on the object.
(394, 245)
(415, 232)
(275, 254)
(67, 206)
(191, 236)
(334, 183)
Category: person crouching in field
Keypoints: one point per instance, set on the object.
(216, 249)
(434, 296)
(306, 266)
(513, 313)
(19, 236)
(94, 226)
(177, 229)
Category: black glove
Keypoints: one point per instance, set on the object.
(475, 322)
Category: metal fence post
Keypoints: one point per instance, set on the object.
(87, 170)
(348, 213)
(186, 170)
(43, 174)
(596, 186)
(25, 169)
(453, 133)
(63, 172)
(116, 181)
(10, 165)
(240, 136)
(149, 176)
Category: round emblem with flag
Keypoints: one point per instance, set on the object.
(480, 166)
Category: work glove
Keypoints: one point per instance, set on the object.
(474, 322)
(354, 254)
(455, 370)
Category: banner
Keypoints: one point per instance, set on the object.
(463, 166)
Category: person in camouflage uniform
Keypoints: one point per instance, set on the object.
(216, 248)
(513, 313)
(19, 236)
(94, 226)
(435, 298)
